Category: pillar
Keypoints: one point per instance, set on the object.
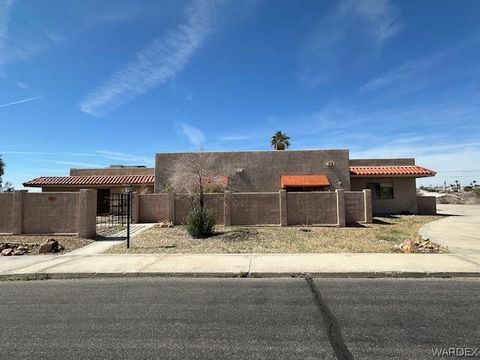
(283, 207)
(227, 208)
(18, 211)
(367, 205)
(171, 207)
(135, 208)
(87, 213)
(341, 222)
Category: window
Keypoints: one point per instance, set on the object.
(382, 191)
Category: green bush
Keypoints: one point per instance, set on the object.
(200, 223)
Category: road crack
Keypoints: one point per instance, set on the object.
(333, 330)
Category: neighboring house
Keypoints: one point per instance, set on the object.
(392, 181)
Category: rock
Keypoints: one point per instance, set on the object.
(4, 246)
(408, 246)
(22, 248)
(49, 246)
(165, 224)
(17, 252)
(61, 247)
(7, 252)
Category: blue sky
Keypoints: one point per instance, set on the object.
(89, 83)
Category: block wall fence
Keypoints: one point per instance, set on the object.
(335, 208)
(69, 213)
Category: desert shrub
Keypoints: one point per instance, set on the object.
(200, 223)
(476, 192)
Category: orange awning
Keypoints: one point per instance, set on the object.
(304, 181)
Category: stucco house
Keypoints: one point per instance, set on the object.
(392, 181)
(106, 181)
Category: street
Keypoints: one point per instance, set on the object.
(209, 318)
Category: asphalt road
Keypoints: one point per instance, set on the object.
(155, 318)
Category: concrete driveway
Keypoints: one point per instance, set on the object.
(460, 232)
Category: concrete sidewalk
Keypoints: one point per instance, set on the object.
(100, 246)
(460, 232)
(227, 265)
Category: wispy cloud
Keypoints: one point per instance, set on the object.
(418, 74)
(326, 51)
(121, 156)
(19, 102)
(159, 62)
(5, 8)
(195, 136)
(235, 137)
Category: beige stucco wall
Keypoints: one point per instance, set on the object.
(427, 205)
(6, 213)
(260, 171)
(272, 208)
(255, 208)
(382, 162)
(50, 213)
(404, 190)
(112, 171)
(153, 208)
(311, 208)
(354, 207)
(213, 202)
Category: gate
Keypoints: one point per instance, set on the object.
(115, 215)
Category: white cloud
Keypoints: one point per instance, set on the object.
(115, 155)
(195, 136)
(415, 75)
(159, 62)
(22, 85)
(19, 101)
(367, 23)
(5, 8)
(235, 137)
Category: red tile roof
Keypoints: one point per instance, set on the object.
(403, 170)
(93, 180)
(304, 181)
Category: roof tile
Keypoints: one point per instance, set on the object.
(404, 170)
(91, 180)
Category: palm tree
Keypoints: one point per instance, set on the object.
(280, 141)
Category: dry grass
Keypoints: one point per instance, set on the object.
(69, 242)
(379, 237)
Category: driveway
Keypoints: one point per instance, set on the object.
(460, 232)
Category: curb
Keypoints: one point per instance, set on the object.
(368, 275)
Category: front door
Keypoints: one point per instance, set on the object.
(103, 201)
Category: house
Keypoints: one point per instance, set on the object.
(392, 181)
(106, 181)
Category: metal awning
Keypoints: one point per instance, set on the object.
(304, 181)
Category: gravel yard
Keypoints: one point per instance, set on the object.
(69, 242)
(380, 237)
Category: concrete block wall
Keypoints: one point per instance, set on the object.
(427, 205)
(49, 213)
(338, 208)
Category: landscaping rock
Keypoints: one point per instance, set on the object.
(7, 252)
(422, 246)
(4, 246)
(50, 246)
(165, 224)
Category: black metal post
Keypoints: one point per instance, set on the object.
(128, 219)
